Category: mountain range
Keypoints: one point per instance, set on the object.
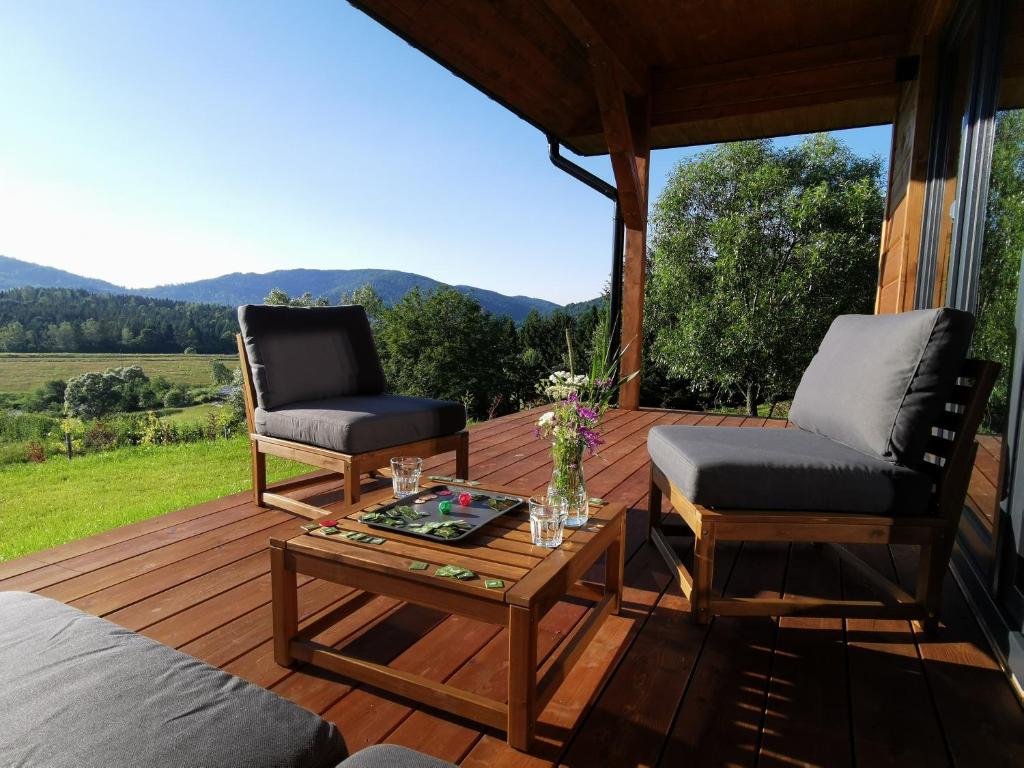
(250, 288)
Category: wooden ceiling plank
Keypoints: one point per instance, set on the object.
(814, 81)
(594, 34)
(802, 59)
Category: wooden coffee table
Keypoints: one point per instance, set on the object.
(535, 579)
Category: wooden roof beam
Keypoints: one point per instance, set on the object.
(622, 146)
(592, 31)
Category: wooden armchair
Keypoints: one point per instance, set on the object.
(314, 393)
(830, 492)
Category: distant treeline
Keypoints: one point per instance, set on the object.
(69, 320)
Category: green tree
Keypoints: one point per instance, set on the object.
(13, 337)
(754, 251)
(220, 373)
(279, 297)
(367, 297)
(995, 334)
(177, 397)
(444, 345)
(91, 395)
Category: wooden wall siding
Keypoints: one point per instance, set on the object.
(653, 689)
(908, 171)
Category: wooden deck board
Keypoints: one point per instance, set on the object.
(653, 688)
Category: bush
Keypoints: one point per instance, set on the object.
(17, 427)
(91, 395)
(177, 397)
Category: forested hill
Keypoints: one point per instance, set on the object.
(250, 287)
(391, 285)
(75, 320)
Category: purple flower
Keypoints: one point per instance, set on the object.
(587, 413)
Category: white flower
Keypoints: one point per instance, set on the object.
(546, 418)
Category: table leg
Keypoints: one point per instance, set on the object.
(285, 598)
(522, 677)
(614, 565)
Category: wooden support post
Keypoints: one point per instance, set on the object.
(635, 264)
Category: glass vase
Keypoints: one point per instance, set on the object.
(568, 481)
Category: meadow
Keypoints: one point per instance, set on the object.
(43, 505)
(21, 373)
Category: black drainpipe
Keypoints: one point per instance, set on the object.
(618, 234)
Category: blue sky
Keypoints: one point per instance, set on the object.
(158, 142)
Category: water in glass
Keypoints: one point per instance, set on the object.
(405, 475)
(547, 521)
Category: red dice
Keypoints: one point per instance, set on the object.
(465, 499)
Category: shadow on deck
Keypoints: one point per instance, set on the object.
(653, 689)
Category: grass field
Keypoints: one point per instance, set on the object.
(192, 413)
(20, 373)
(42, 505)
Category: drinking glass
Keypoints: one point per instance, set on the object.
(547, 520)
(405, 475)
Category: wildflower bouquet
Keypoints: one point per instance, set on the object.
(579, 402)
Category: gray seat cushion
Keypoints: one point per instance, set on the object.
(878, 382)
(741, 468)
(79, 691)
(361, 424)
(309, 353)
(392, 756)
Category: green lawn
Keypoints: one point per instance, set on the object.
(24, 372)
(193, 413)
(42, 505)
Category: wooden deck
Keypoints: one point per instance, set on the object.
(653, 689)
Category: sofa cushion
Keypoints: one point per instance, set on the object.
(878, 382)
(361, 424)
(392, 756)
(745, 468)
(309, 353)
(79, 691)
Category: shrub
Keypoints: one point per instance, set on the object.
(177, 397)
(16, 427)
(36, 452)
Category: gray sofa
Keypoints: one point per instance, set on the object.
(78, 691)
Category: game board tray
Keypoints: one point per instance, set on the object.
(427, 513)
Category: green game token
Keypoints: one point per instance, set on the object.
(455, 572)
(331, 530)
(473, 483)
(376, 540)
(597, 502)
(494, 584)
(416, 565)
(310, 526)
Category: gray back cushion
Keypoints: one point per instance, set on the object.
(309, 353)
(878, 382)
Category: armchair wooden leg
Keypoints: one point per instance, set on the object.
(462, 457)
(653, 504)
(931, 572)
(259, 473)
(703, 573)
(352, 490)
